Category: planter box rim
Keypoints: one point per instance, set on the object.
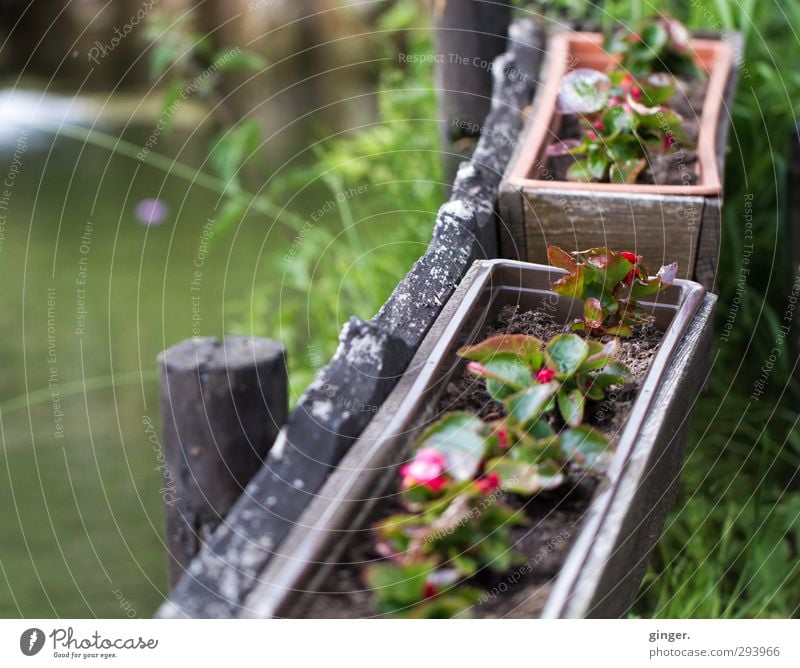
(537, 138)
(315, 536)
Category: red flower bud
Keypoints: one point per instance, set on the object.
(634, 259)
(502, 437)
(545, 375)
(488, 483)
(430, 590)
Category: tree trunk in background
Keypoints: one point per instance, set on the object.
(469, 34)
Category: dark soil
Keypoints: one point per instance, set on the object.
(676, 166)
(554, 517)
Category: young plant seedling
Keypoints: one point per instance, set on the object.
(622, 122)
(609, 283)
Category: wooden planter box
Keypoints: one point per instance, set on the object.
(661, 223)
(609, 555)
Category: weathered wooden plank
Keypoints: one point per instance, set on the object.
(662, 228)
(223, 404)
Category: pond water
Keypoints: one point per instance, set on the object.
(91, 295)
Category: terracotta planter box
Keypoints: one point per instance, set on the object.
(670, 222)
(609, 553)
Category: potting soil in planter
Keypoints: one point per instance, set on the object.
(554, 517)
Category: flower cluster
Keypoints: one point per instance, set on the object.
(623, 113)
(609, 283)
(458, 523)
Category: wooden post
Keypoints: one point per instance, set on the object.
(222, 404)
(469, 34)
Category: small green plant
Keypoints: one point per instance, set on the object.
(622, 121)
(657, 45)
(609, 283)
(459, 524)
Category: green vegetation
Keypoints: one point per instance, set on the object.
(730, 547)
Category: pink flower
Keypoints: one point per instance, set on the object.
(488, 483)
(637, 93)
(545, 375)
(427, 468)
(476, 368)
(669, 140)
(598, 125)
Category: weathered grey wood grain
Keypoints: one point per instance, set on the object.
(661, 228)
(223, 404)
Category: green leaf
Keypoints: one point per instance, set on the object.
(571, 285)
(396, 586)
(627, 171)
(509, 373)
(597, 359)
(526, 347)
(558, 257)
(527, 406)
(614, 374)
(619, 330)
(231, 214)
(657, 88)
(459, 437)
(654, 36)
(453, 605)
(565, 353)
(520, 477)
(592, 313)
(586, 447)
(571, 405)
(617, 119)
(583, 91)
(579, 171)
(597, 163)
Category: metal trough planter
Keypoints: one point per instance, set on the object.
(660, 222)
(609, 554)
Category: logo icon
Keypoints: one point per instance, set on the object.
(31, 641)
